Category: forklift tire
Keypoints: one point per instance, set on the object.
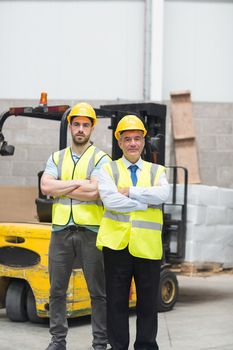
(168, 291)
(31, 308)
(16, 301)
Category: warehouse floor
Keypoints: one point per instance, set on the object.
(202, 319)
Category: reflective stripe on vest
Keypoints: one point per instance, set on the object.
(83, 212)
(140, 230)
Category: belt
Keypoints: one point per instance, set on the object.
(71, 228)
(74, 228)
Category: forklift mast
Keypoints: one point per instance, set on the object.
(153, 116)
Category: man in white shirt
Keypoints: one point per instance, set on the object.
(132, 191)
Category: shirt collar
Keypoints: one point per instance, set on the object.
(138, 163)
(75, 155)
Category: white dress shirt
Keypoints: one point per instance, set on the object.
(139, 197)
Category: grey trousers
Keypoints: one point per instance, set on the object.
(65, 247)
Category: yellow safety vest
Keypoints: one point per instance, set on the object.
(140, 230)
(64, 208)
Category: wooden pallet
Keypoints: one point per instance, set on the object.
(205, 268)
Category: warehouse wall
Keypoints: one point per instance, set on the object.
(214, 126)
(213, 123)
(95, 50)
(92, 49)
(198, 49)
(35, 139)
(98, 49)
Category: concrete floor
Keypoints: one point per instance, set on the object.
(202, 319)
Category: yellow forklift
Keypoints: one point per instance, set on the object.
(24, 280)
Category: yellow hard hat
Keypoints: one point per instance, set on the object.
(82, 109)
(129, 122)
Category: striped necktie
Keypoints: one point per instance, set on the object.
(133, 170)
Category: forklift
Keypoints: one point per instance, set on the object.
(24, 279)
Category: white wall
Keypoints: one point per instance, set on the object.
(72, 49)
(198, 49)
(96, 49)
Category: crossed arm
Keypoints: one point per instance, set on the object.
(131, 198)
(84, 190)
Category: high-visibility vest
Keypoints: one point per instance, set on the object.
(64, 208)
(140, 230)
